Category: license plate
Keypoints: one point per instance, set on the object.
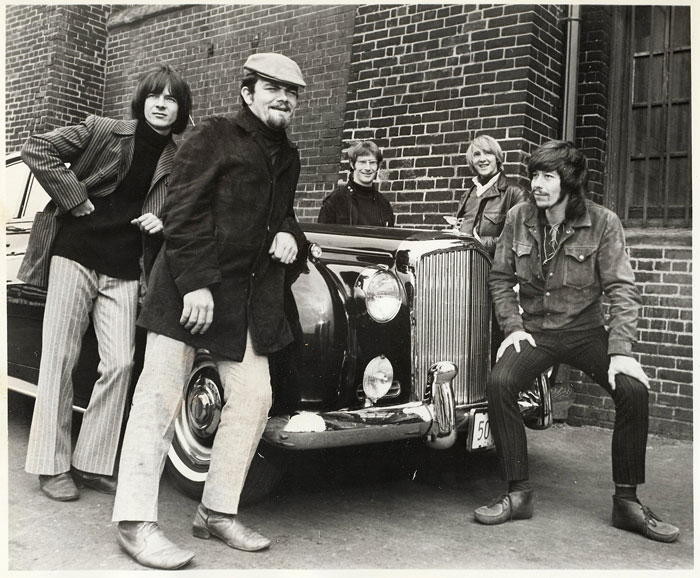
(481, 432)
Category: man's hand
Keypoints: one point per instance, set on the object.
(84, 208)
(284, 248)
(197, 310)
(627, 366)
(514, 339)
(148, 223)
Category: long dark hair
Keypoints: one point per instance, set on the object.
(571, 165)
(154, 81)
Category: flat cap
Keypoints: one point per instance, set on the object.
(275, 67)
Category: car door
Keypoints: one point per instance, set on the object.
(23, 197)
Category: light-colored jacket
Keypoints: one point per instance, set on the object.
(100, 151)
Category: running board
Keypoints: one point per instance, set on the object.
(29, 389)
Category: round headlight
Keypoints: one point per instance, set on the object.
(382, 296)
(378, 377)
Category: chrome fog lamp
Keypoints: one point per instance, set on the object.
(381, 292)
(378, 377)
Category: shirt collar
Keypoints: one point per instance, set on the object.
(480, 189)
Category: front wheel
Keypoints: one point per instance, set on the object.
(195, 428)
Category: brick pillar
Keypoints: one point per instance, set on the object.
(593, 93)
(425, 80)
(55, 62)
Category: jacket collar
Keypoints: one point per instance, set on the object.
(496, 189)
(125, 127)
(532, 217)
(165, 162)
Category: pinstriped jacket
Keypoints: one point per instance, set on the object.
(100, 151)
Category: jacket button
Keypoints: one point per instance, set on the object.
(580, 257)
(547, 294)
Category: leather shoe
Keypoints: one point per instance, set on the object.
(99, 482)
(146, 543)
(632, 515)
(60, 487)
(511, 506)
(228, 529)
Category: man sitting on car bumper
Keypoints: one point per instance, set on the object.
(565, 252)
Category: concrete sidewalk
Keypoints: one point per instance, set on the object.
(383, 508)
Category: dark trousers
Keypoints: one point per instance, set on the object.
(587, 351)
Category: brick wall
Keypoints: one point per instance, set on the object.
(54, 67)
(421, 80)
(210, 44)
(662, 261)
(593, 93)
(426, 79)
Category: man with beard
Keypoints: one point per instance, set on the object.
(230, 231)
(565, 252)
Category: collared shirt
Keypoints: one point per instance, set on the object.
(481, 189)
(591, 260)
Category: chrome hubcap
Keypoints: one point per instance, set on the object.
(199, 420)
(204, 407)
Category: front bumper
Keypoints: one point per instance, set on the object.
(437, 421)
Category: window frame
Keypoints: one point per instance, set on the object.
(619, 175)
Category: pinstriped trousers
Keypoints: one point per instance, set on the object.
(73, 293)
(588, 351)
(149, 432)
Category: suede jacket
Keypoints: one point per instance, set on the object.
(591, 260)
(225, 205)
(489, 213)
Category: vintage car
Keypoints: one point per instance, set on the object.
(393, 341)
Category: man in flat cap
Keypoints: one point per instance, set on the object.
(230, 232)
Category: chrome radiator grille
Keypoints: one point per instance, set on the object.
(453, 320)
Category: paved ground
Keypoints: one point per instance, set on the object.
(386, 509)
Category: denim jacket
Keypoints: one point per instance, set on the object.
(591, 260)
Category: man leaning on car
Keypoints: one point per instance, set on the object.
(566, 251)
(91, 246)
(218, 283)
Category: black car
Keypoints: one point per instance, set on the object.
(393, 342)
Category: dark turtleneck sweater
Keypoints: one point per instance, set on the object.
(273, 138)
(355, 204)
(105, 240)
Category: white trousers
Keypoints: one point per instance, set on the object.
(73, 293)
(149, 433)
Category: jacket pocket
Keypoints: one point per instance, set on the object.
(579, 266)
(491, 224)
(495, 218)
(34, 269)
(523, 261)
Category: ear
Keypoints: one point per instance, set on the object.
(247, 95)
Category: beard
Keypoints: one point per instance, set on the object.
(278, 120)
